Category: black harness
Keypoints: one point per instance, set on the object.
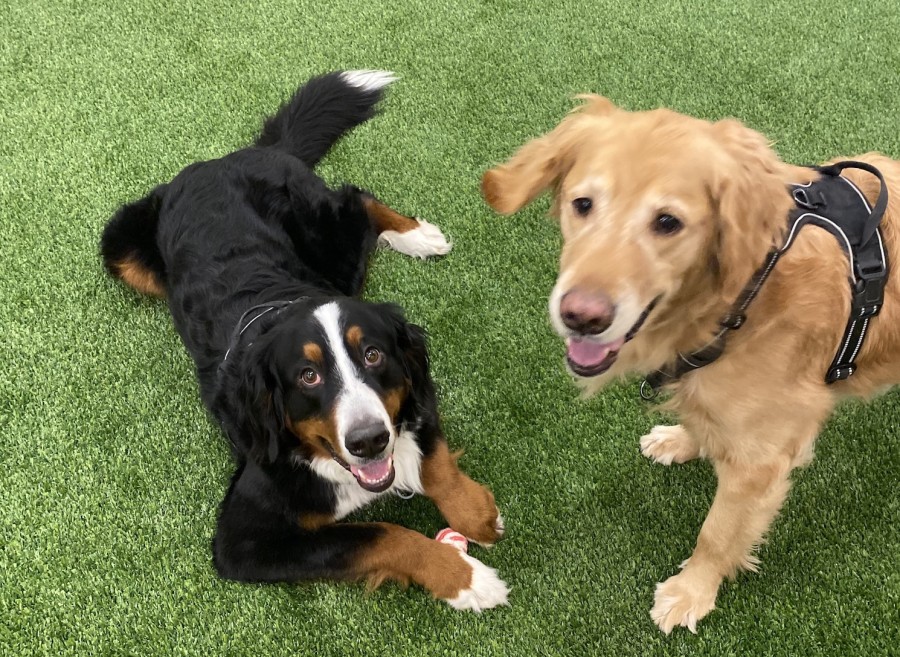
(241, 326)
(834, 203)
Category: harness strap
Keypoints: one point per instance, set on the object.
(880, 206)
(240, 327)
(868, 276)
(711, 351)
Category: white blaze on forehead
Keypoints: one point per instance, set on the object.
(357, 404)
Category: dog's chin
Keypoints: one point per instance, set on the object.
(590, 372)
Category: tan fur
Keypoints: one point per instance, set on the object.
(313, 352)
(385, 218)
(405, 556)
(354, 336)
(314, 433)
(312, 521)
(393, 399)
(756, 411)
(467, 505)
(139, 277)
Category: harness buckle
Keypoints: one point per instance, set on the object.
(868, 296)
(840, 373)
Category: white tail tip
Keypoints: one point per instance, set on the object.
(368, 80)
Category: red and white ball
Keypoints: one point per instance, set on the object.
(453, 538)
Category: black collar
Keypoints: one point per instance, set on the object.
(834, 203)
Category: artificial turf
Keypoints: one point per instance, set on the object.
(110, 471)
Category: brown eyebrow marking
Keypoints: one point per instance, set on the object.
(354, 336)
(313, 352)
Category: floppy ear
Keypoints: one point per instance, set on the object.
(261, 408)
(752, 203)
(541, 162)
(421, 403)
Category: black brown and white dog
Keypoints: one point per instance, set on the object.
(326, 399)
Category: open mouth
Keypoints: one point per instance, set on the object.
(587, 357)
(374, 476)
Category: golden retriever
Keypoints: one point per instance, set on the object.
(665, 218)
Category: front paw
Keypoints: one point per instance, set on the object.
(484, 591)
(682, 600)
(473, 513)
(669, 444)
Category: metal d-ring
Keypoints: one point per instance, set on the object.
(648, 392)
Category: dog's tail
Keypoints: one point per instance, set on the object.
(322, 110)
(129, 248)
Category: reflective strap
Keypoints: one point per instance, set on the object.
(844, 364)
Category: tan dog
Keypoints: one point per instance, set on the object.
(660, 207)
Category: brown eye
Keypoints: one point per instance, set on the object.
(310, 377)
(666, 224)
(372, 356)
(582, 206)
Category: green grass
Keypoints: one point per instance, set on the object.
(110, 471)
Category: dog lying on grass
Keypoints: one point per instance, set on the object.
(326, 399)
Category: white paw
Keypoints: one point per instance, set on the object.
(682, 600)
(669, 444)
(499, 527)
(422, 242)
(485, 591)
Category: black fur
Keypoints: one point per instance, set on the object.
(131, 235)
(253, 227)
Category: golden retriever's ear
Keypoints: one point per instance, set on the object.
(595, 105)
(753, 203)
(535, 167)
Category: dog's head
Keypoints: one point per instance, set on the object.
(662, 215)
(336, 381)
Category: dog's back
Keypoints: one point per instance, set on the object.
(292, 142)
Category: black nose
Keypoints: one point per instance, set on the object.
(367, 442)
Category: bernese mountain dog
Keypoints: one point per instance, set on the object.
(326, 399)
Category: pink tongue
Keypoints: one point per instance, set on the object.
(373, 471)
(588, 353)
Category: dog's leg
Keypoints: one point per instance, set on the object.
(468, 506)
(747, 499)
(669, 444)
(461, 581)
(409, 235)
(256, 545)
